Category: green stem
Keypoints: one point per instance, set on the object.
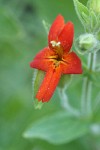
(87, 86)
(65, 103)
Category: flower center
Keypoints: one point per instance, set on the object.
(57, 58)
(58, 49)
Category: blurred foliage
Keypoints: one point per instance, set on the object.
(63, 124)
(21, 35)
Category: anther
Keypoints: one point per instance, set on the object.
(55, 44)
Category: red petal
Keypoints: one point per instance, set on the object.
(66, 36)
(48, 85)
(56, 28)
(41, 60)
(71, 64)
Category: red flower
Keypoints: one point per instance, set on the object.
(56, 59)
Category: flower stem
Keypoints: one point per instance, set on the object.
(65, 103)
(87, 87)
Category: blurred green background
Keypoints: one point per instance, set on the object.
(22, 35)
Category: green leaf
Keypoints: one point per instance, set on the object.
(82, 12)
(57, 129)
(38, 76)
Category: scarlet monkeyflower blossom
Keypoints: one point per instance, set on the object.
(57, 58)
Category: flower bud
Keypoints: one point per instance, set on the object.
(94, 5)
(86, 43)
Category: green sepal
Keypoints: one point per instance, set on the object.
(98, 34)
(94, 5)
(88, 18)
(38, 77)
(65, 81)
(93, 21)
(82, 12)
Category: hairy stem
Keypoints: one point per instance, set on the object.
(87, 86)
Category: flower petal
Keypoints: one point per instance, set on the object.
(71, 64)
(56, 28)
(41, 60)
(49, 84)
(66, 36)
